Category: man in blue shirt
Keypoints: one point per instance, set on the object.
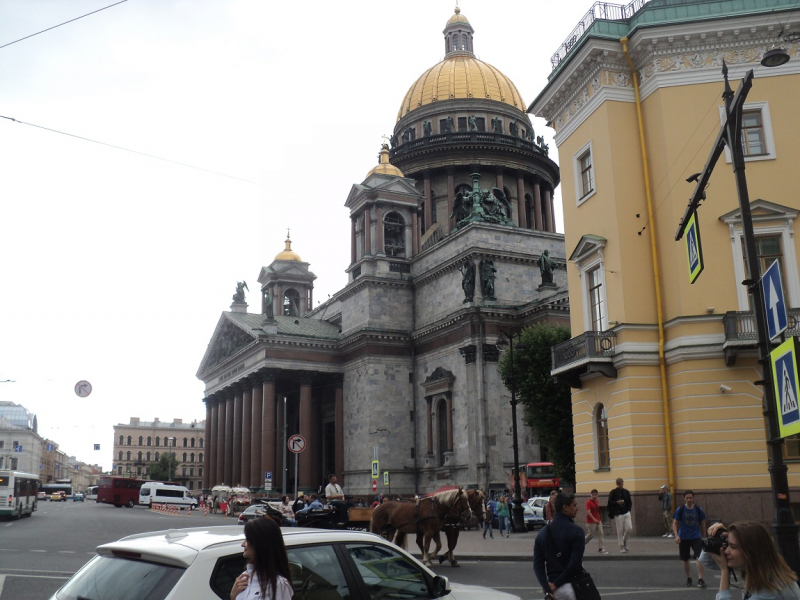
(688, 525)
(558, 550)
(315, 505)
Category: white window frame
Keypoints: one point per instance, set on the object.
(792, 286)
(578, 174)
(584, 267)
(766, 121)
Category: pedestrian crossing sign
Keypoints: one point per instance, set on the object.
(786, 385)
(694, 251)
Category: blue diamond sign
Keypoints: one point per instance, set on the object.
(694, 250)
(785, 382)
(774, 303)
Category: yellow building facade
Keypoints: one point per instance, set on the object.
(690, 415)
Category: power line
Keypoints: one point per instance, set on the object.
(64, 23)
(175, 162)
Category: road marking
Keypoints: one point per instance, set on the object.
(38, 550)
(2, 582)
(66, 551)
(36, 577)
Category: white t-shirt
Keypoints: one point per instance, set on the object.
(333, 489)
(283, 589)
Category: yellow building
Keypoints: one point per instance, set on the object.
(692, 414)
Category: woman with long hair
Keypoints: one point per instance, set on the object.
(267, 574)
(751, 551)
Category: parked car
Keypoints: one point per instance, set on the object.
(78, 497)
(252, 512)
(202, 563)
(532, 520)
(42, 496)
(58, 497)
(537, 504)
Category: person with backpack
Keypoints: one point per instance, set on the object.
(688, 523)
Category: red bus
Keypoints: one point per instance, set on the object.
(119, 491)
(536, 479)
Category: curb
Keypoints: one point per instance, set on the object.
(510, 558)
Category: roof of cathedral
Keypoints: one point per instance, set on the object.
(296, 326)
(384, 167)
(460, 75)
(288, 253)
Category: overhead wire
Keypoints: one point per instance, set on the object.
(175, 162)
(64, 23)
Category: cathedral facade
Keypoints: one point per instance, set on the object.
(400, 366)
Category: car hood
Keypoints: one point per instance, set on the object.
(460, 591)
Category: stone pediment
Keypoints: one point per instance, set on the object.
(438, 382)
(229, 339)
(588, 245)
(380, 184)
(762, 210)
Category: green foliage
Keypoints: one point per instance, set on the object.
(547, 405)
(163, 468)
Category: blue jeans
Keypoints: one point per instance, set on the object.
(505, 524)
(488, 527)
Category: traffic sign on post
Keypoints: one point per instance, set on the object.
(374, 485)
(296, 443)
(694, 250)
(83, 388)
(772, 291)
(375, 469)
(787, 386)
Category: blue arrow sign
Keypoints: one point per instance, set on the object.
(787, 386)
(774, 304)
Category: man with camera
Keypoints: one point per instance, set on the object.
(558, 551)
(688, 523)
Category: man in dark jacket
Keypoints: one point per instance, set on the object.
(558, 550)
(619, 507)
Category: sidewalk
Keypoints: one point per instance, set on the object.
(472, 546)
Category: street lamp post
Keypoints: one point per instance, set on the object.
(783, 525)
(517, 512)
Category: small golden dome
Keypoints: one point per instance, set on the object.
(287, 253)
(384, 167)
(460, 76)
(457, 18)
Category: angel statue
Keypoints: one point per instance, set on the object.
(503, 200)
(238, 297)
(462, 206)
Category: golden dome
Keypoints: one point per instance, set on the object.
(384, 167)
(287, 253)
(460, 76)
(457, 18)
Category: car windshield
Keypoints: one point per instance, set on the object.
(107, 578)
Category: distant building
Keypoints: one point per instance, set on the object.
(23, 449)
(139, 443)
(675, 386)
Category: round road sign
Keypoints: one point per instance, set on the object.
(83, 388)
(296, 443)
(374, 485)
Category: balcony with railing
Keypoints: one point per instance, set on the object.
(486, 138)
(591, 352)
(741, 334)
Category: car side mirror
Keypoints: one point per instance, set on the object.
(441, 586)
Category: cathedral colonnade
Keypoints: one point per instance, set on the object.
(244, 429)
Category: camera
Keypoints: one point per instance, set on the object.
(715, 545)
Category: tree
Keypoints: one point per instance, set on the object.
(165, 468)
(547, 405)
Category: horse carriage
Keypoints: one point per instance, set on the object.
(328, 518)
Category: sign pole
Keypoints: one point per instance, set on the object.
(296, 462)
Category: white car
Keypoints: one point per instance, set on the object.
(202, 563)
(537, 504)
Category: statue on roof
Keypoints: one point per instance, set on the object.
(448, 125)
(427, 128)
(546, 266)
(473, 123)
(238, 297)
(487, 279)
(468, 280)
(474, 205)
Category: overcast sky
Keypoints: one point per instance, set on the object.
(115, 266)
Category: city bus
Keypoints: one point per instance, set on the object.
(58, 486)
(91, 493)
(18, 494)
(119, 491)
(536, 479)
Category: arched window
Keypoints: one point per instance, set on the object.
(158, 441)
(441, 429)
(121, 440)
(184, 457)
(185, 442)
(139, 456)
(394, 234)
(120, 455)
(529, 213)
(128, 455)
(129, 440)
(447, 44)
(291, 303)
(200, 458)
(191, 442)
(191, 457)
(601, 437)
(141, 439)
(149, 441)
(156, 457)
(463, 41)
(201, 442)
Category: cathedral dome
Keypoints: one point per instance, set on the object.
(287, 253)
(458, 18)
(384, 167)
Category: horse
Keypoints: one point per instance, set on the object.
(452, 527)
(425, 516)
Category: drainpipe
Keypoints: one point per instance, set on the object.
(656, 277)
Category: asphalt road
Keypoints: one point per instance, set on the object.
(38, 554)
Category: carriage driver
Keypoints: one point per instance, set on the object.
(335, 497)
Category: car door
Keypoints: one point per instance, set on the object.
(385, 573)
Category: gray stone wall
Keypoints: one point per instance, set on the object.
(378, 306)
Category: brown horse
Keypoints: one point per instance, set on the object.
(425, 516)
(452, 527)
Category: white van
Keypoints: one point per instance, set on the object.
(161, 493)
